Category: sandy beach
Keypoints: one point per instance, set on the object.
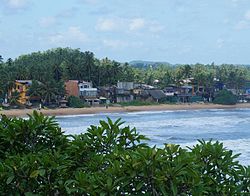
(96, 110)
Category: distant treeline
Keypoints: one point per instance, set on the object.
(54, 66)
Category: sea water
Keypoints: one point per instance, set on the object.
(184, 127)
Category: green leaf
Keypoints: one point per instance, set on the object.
(140, 185)
(42, 172)
(9, 179)
(34, 174)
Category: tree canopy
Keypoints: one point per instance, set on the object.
(53, 67)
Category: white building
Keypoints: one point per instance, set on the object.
(88, 93)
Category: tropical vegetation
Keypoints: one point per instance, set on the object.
(76, 102)
(52, 67)
(38, 158)
(225, 97)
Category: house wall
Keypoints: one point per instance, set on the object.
(84, 85)
(22, 88)
(92, 92)
(71, 87)
(125, 85)
(120, 99)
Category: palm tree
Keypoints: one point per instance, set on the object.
(89, 62)
(51, 91)
(57, 70)
(14, 98)
(9, 62)
(1, 59)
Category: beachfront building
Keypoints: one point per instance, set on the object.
(21, 87)
(124, 92)
(86, 89)
(155, 95)
(71, 88)
(107, 94)
(83, 90)
(185, 93)
(88, 93)
(140, 91)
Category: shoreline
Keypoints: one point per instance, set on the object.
(115, 109)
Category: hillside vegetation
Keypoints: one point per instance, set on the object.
(54, 66)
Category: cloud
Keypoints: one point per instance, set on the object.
(220, 42)
(88, 1)
(91, 1)
(103, 10)
(247, 15)
(234, 1)
(108, 24)
(136, 24)
(72, 35)
(128, 25)
(243, 24)
(68, 13)
(16, 4)
(50, 21)
(114, 44)
(155, 27)
(47, 21)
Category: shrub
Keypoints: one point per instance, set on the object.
(36, 158)
(75, 102)
(225, 97)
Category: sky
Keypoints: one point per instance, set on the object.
(174, 31)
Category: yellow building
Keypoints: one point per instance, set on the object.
(22, 87)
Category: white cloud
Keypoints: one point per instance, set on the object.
(47, 21)
(89, 1)
(247, 15)
(128, 25)
(220, 42)
(242, 25)
(136, 24)
(108, 24)
(245, 22)
(115, 44)
(72, 35)
(16, 4)
(67, 13)
(156, 28)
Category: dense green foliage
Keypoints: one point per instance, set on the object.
(36, 158)
(225, 97)
(75, 102)
(53, 67)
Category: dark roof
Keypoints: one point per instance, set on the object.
(157, 94)
(144, 93)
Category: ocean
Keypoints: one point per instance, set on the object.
(184, 127)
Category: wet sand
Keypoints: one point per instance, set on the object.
(96, 110)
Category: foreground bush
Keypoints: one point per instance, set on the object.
(36, 158)
(225, 97)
